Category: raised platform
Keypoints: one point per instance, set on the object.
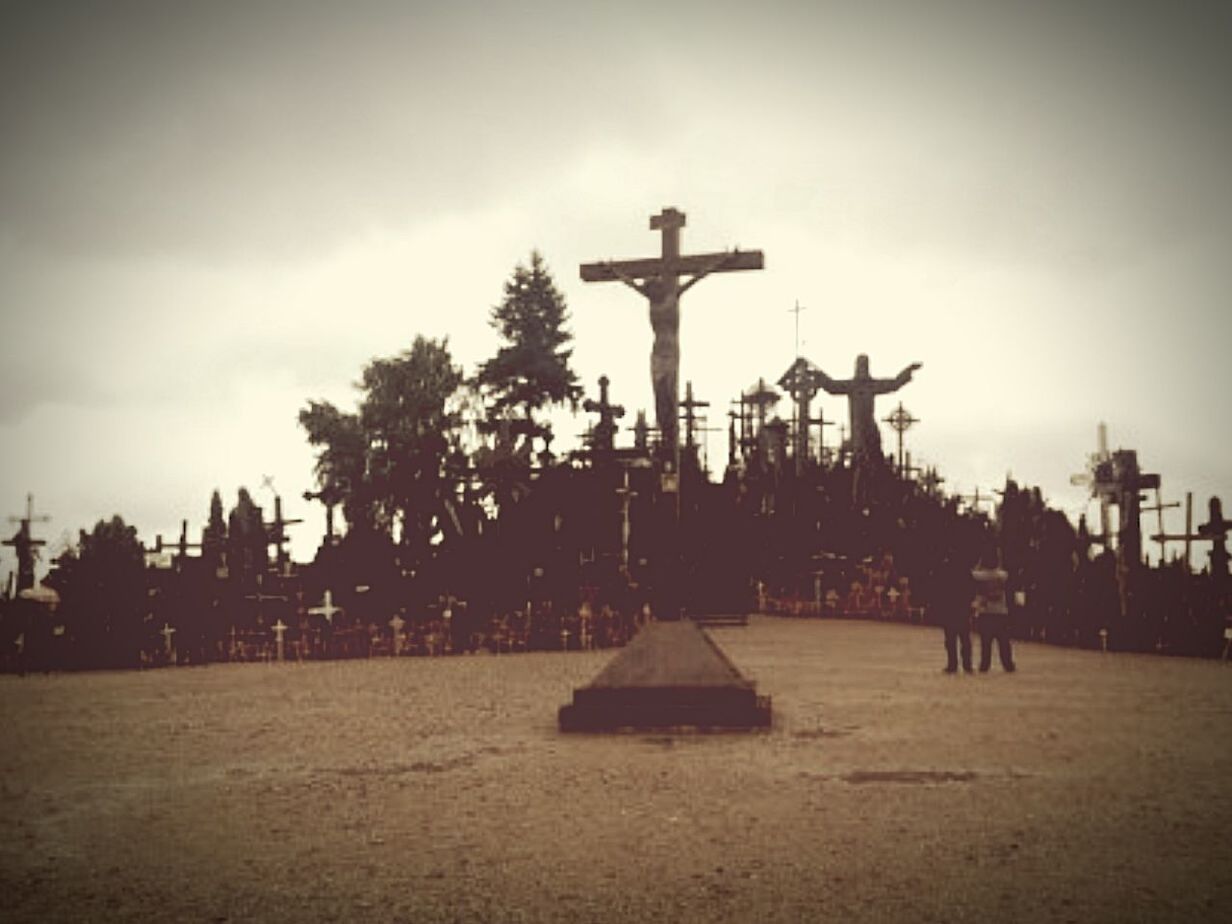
(672, 675)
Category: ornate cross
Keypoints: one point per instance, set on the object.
(900, 420)
(604, 436)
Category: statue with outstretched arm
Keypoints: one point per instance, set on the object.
(861, 390)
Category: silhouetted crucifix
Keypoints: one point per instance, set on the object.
(658, 279)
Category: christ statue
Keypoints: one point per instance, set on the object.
(861, 389)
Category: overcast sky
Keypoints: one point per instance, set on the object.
(213, 212)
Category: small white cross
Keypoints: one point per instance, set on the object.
(167, 631)
(327, 608)
(279, 630)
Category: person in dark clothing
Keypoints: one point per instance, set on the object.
(993, 611)
(952, 594)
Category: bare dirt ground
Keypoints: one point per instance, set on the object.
(1083, 788)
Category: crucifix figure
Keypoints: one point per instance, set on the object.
(861, 390)
(657, 279)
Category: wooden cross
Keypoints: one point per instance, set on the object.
(327, 608)
(331, 496)
(182, 546)
(626, 495)
(820, 423)
(25, 545)
(166, 632)
(658, 280)
(1158, 509)
(1187, 537)
(276, 533)
(761, 397)
(976, 499)
(605, 430)
(931, 480)
(641, 432)
(900, 420)
(911, 471)
(1096, 478)
(690, 418)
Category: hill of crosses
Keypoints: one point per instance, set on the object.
(448, 534)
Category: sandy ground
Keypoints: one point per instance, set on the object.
(1085, 787)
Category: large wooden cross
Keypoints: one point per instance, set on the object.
(658, 280)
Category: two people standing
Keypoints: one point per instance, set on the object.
(981, 591)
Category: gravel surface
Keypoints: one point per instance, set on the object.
(1085, 787)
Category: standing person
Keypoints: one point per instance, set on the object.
(993, 611)
(952, 592)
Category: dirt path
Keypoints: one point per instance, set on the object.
(1083, 788)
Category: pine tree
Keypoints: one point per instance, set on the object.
(530, 370)
(214, 537)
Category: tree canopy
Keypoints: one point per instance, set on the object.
(530, 370)
(387, 460)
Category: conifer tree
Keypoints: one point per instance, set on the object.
(530, 370)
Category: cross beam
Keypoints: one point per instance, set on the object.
(702, 264)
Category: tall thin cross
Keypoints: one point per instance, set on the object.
(658, 280)
(900, 420)
(1187, 537)
(1158, 508)
(276, 533)
(690, 406)
(183, 546)
(796, 311)
(820, 423)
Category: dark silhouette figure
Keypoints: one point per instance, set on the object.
(952, 595)
(993, 611)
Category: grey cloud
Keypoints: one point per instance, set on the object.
(233, 132)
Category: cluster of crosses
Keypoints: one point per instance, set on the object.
(652, 469)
